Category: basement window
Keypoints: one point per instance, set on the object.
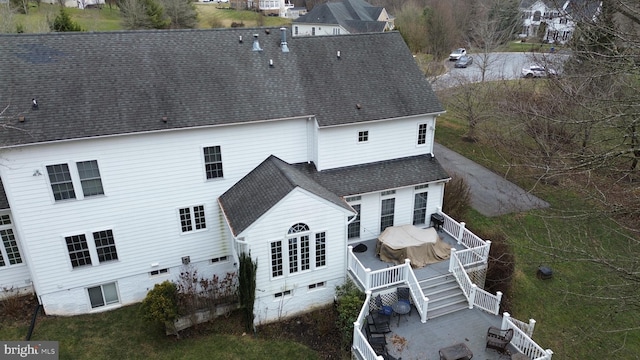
(159, 272)
(282, 294)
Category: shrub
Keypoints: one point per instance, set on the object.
(457, 197)
(501, 266)
(349, 303)
(161, 304)
(63, 22)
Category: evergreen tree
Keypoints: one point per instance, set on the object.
(63, 22)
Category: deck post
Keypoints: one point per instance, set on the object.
(452, 259)
(549, 354)
(485, 256)
(461, 232)
(499, 298)
(367, 278)
(505, 320)
(472, 295)
(532, 325)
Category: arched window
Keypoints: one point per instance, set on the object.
(299, 227)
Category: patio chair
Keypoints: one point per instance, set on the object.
(383, 315)
(404, 295)
(498, 339)
(377, 327)
(375, 339)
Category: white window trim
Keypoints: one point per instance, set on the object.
(91, 244)
(285, 254)
(426, 133)
(75, 180)
(3, 251)
(193, 219)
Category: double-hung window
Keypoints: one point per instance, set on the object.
(82, 252)
(61, 183)
(321, 249)
(86, 174)
(213, 162)
(90, 178)
(192, 218)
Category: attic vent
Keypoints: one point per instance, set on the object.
(283, 40)
(256, 44)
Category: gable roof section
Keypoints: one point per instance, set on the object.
(4, 203)
(357, 16)
(264, 187)
(378, 176)
(114, 83)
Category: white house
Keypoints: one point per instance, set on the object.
(343, 17)
(558, 19)
(125, 155)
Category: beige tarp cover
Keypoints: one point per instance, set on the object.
(421, 246)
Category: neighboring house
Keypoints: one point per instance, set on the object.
(81, 4)
(281, 8)
(343, 17)
(557, 19)
(126, 155)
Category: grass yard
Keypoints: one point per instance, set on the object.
(575, 314)
(122, 334)
(210, 15)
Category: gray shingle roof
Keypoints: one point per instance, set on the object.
(263, 188)
(111, 83)
(357, 16)
(4, 203)
(378, 176)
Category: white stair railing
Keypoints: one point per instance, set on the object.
(523, 342)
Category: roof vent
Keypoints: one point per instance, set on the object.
(256, 44)
(165, 119)
(338, 54)
(21, 118)
(240, 39)
(271, 62)
(283, 40)
(34, 104)
(358, 106)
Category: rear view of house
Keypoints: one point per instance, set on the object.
(127, 156)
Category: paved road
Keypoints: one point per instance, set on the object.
(491, 194)
(499, 66)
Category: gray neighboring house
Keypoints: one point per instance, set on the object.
(343, 17)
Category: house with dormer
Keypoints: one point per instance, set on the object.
(343, 17)
(129, 155)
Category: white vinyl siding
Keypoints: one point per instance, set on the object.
(397, 140)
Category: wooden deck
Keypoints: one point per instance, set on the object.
(411, 339)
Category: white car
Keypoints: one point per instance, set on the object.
(457, 54)
(537, 71)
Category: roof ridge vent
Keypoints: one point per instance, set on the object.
(256, 44)
(283, 40)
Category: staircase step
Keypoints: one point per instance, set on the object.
(445, 309)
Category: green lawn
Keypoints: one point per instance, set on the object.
(575, 315)
(210, 15)
(122, 334)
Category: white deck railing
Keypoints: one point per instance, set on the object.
(360, 343)
(395, 275)
(522, 339)
(476, 296)
(462, 235)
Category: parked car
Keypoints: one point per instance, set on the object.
(457, 53)
(464, 61)
(537, 71)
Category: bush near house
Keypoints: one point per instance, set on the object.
(349, 301)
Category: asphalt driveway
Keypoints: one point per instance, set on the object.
(491, 194)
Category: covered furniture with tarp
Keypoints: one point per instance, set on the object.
(421, 246)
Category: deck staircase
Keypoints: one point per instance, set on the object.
(445, 296)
